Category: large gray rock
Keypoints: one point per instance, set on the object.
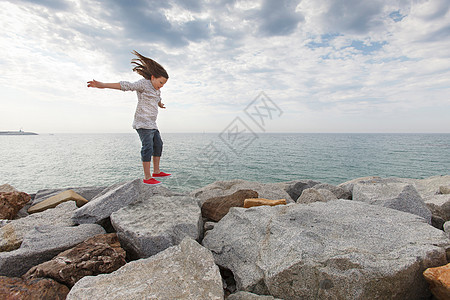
(392, 193)
(108, 201)
(186, 271)
(439, 205)
(335, 250)
(348, 185)
(339, 192)
(447, 228)
(12, 233)
(153, 224)
(431, 191)
(296, 187)
(114, 198)
(42, 244)
(313, 195)
(429, 186)
(270, 191)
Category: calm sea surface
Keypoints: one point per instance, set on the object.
(31, 163)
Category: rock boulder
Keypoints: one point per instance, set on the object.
(151, 225)
(42, 244)
(11, 235)
(217, 207)
(340, 192)
(12, 288)
(336, 250)
(88, 193)
(392, 193)
(313, 195)
(223, 188)
(348, 185)
(114, 198)
(186, 271)
(108, 201)
(11, 203)
(97, 255)
(261, 201)
(54, 201)
(439, 280)
(296, 187)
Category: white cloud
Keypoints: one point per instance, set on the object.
(330, 65)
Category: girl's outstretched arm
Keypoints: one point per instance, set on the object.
(101, 85)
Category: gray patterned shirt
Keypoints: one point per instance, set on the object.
(147, 106)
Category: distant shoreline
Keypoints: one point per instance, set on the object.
(17, 133)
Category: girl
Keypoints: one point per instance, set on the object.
(148, 93)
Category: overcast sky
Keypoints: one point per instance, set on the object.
(328, 65)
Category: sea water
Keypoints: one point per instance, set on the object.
(31, 163)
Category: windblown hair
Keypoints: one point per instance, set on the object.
(147, 67)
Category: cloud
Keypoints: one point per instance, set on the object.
(320, 58)
(353, 16)
(59, 5)
(279, 17)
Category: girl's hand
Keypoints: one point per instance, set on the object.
(101, 85)
(96, 84)
(160, 104)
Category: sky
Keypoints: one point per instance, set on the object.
(262, 66)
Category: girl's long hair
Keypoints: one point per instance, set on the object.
(147, 67)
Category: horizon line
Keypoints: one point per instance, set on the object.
(257, 133)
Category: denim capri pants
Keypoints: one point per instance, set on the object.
(152, 143)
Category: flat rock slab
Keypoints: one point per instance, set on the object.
(11, 235)
(151, 225)
(186, 271)
(340, 249)
(51, 202)
(87, 192)
(42, 244)
(261, 201)
(224, 188)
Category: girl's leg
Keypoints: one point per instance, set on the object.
(146, 166)
(157, 151)
(146, 136)
(156, 160)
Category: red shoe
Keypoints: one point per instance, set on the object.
(152, 181)
(161, 174)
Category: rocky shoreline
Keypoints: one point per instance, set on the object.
(368, 238)
(20, 132)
